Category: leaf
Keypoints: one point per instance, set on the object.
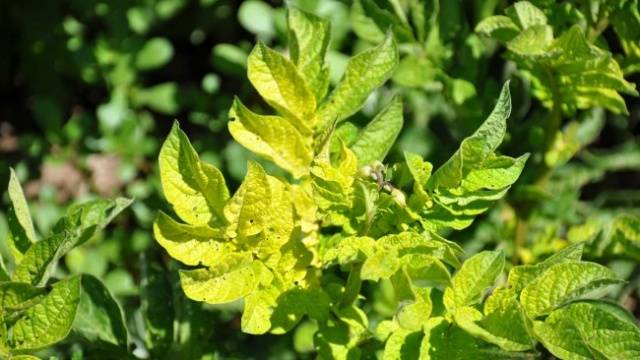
(445, 340)
(588, 330)
(80, 224)
(476, 274)
(281, 85)
(562, 283)
(247, 211)
(308, 41)
(21, 232)
(157, 306)
(192, 245)
(533, 41)
(99, 318)
(364, 73)
(403, 345)
(526, 15)
(233, 278)
(477, 147)
(523, 275)
(293, 304)
(498, 27)
(371, 19)
(196, 190)
(376, 139)
(503, 322)
(155, 53)
(273, 137)
(50, 320)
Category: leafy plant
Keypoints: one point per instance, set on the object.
(341, 225)
(38, 308)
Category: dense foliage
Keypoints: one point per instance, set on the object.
(389, 194)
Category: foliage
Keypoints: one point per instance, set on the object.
(282, 245)
(318, 223)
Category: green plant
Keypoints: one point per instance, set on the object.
(39, 306)
(342, 228)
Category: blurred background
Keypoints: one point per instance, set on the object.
(89, 90)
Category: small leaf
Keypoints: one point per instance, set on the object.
(364, 73)
(498, 27)
(403, 345)
(196, 190)
(155, 53)
(281, 85)
(21, 232)
(376, 139)
(476, 274)
(526, 15)
(273, 137)
(308, 41)
(232, 279)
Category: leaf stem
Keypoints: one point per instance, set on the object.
(352, 288)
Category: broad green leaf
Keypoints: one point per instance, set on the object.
(21, 232)
(196, 190)
(562, 283)
(588, 330)
(50, 320)
(412, 316)
(273, 137)
(308, 41)
(281, 85)
(375, 140)
(503, 322)
(192, 245)
(80, 224)
(259, 306)
(380, 265)
(247, 211)
(371, 19)
(498, 27)
(403, 345)
(233, 278)
(476, 274)
(157, 306)
(444, 340)
(533, 41)
(99, 318)
(526, 15)
(364, 73)
(350, 249)
(477, 147)
(293, 304)
(523, 275)
(17, 296)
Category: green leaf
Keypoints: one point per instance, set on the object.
(588, 330)
(403, 345)
(476, 274)
(273, 137)
(281, 85)
(445, 340)
(157, 306)
(154, 54)
(477, 147)
(308, 41)
(371, 19)
(498, 27)
(49, 321)
(526, 15)
(21, 232)
(533, 41)
(503, 322)
(99, 317)
(562, 283)
(196, 190)
(192, 245)
(233, 278)
(523, 275)
(376, 139)
(80, 224)
(293, 304)
(364, 73)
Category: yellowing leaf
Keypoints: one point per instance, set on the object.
(196, 190)
(279, 83)
(273, 137)
(246, 212)
(21, 232)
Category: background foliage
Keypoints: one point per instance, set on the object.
(89, 90)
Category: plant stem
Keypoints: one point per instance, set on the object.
(352, 288)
